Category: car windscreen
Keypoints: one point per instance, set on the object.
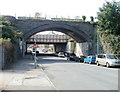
(110, 57)
(61, 53)
(72, 55)
(93, 57)
(83, 56)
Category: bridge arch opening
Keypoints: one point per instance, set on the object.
(50, 42)
(76, 33)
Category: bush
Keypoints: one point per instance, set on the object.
(111, 43)
(109, 27)
(8, 51)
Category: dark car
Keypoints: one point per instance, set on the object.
(72, 56)
(82, 58)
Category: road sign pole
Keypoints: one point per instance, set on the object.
(35, 59)
(35, 46)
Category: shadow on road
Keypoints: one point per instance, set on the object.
(27, 63)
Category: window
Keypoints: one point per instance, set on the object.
(100, 56)
(111, 57)
(103, 56)
(93, 57)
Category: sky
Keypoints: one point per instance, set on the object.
(51, 8)
(50, 32)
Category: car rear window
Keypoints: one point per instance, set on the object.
(100, 56)
(83, 56)
(93, 57)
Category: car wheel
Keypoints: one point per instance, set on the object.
(69, 59)
(98, 63)
(107, 65)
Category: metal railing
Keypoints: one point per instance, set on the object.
(48, 38)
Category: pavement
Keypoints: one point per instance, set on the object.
(22, 75)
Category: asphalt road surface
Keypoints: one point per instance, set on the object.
(71, 75)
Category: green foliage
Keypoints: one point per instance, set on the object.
(113, 43)
(109, 26)
(92, 18)
(4, 40)
(109, 18)
(10, 30)
(8, 50)
(84, 18)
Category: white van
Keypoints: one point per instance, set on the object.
(107, 60)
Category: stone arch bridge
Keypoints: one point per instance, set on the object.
(83, 32)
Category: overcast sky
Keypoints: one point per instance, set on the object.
(51, 8)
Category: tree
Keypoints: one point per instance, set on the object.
(10, 30)
(37, 14)
(109, 18)
(109, 27)
(92, 18)
(84, 18)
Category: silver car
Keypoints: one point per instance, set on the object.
(107, 60)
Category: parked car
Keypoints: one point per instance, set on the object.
(72, 56)
(107, 60)
(82, 58)
(61, 54)
(90, 59)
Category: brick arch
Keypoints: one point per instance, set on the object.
(74, 32)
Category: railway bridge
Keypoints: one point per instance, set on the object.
(84, 33)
